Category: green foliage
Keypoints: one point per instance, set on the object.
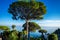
(6, 34)
(32, 26)
(31, 38)
(42, 31)
(4, 28)
(20, 36)
(13, 27)
(24, 0)
(57, 31)
(13, 35)
(52, 37)
(27, 10)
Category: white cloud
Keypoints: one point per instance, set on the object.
(49, 23)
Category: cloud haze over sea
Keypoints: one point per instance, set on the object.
(47, 23)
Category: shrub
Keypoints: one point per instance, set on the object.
(52, 37)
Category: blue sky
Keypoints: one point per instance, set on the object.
(52, 15)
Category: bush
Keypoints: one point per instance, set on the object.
(52, 37)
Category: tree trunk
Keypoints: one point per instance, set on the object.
(28, 34)
(42, 34)
(23, 34)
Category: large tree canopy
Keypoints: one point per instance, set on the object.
(27, 10)
(32, 26)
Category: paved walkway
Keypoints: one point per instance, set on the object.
(0, 38)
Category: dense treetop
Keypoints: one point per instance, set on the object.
(27, 10)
